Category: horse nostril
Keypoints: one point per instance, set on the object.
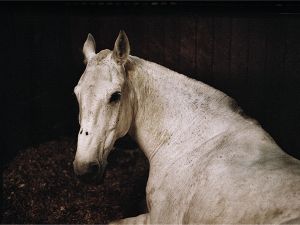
(86, 133)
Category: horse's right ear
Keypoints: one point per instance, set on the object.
(89, 48)
(121, 49)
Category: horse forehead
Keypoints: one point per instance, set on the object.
(98, 72)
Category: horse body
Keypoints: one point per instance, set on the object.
(208, 162)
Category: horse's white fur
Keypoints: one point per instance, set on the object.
(208, 162)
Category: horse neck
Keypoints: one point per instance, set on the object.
(172, 110)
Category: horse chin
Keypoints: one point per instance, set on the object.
(96, 180)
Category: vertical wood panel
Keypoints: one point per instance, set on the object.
(187, 59)
(15, 88)
(21, 94)
(239, 57)
(79, 27)
(135, 30)
(274, 72)
(106, 28)
(256, 64)
(103, 28)
(222, 52)
(275, 32)
(292, 59)
(154, 38)
(172, 42)
(68, 103)
(204, 50)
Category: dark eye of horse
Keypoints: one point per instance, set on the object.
(115, 97)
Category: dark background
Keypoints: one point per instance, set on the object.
(248, 50)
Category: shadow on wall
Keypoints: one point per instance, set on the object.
(254, 58)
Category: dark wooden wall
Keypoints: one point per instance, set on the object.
(253, 56)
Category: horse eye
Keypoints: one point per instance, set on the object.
(115, 97)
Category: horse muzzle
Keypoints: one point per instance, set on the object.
(89, 172)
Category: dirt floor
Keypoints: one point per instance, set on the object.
(39, 186)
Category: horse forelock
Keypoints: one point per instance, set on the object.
(99, 57)
(102, 55)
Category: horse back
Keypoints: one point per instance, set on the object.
(241, 177)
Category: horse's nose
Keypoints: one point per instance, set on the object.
(87, 171)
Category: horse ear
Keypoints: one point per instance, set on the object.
(121, 48)
(89, 48)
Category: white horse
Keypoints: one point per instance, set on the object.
(208, 162)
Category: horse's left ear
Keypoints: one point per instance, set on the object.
(89, 48)
(122, 48)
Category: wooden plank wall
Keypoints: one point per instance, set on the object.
(254, 58)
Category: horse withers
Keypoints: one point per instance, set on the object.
(209, 163)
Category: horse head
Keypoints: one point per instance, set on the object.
(105, 106)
